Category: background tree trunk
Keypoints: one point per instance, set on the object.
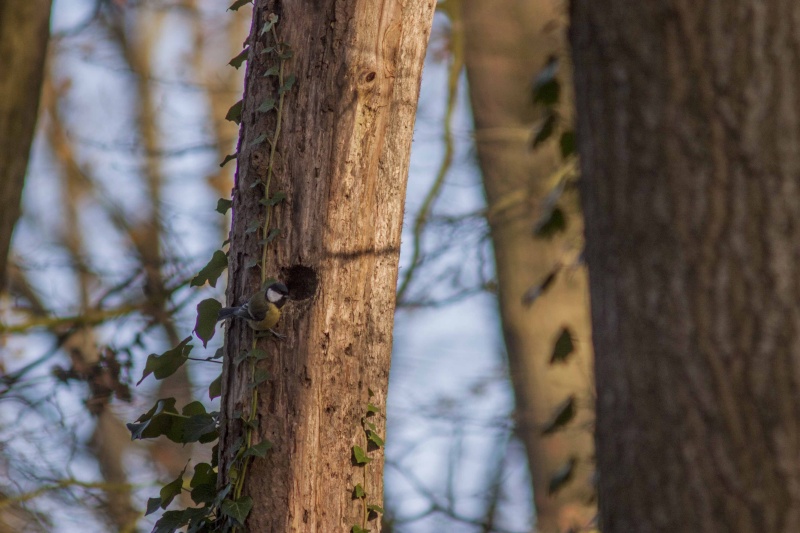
(689, 136)
(24, 33)
(342, 161)
(507, 42)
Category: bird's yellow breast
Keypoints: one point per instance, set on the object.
(269, 321)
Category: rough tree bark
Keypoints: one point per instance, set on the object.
(507, 42)
(24, 33)
(689, 128)
(342, 162)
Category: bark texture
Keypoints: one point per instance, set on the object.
(342, 161)
(507, 42)
(24, 33)
(689, 128)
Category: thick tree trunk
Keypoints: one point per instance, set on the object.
(24, 33)
(342, 162)
(689, 136)
(507, 42)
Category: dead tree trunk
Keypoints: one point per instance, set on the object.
(506, 43)
(689, 128)
(341, 160)
(24, 33)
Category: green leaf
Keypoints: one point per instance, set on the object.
(266, 105)
(212, 271)
(564, 346)
(171, 521)
(253, 226)
(237, 61)
(153, 505)
(372, 409)
(271, 21)
(358, 529)
(167, 363)
(274, 232)
(229, 157)
(271, 71)
(375, 508)
(258, 450)
(204, 474)
(285, 52)
(288, 83)
(258, 354)
(358, 492)
(171, 489)
(553, 222)
(260, 377)
(561, 416)
(277, 198)
(200, 428)
(375, 438)
(223, 204)
(567, 143)
(206, 322)
(153, 422)
(238, 3)
(545, 77)
(562, 476)
(258, 140)
(532, 294)
(219, 354)
(360, 456)
(215, 389)
(234, 114)
(545, 130)
(238, 510)
(547, 93)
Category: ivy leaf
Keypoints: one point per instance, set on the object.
(223, 204)
(546, 128)
(551, 223)
(200, 428)
(274, 232)
(238, 510)
(271, 71)
(237, 61)
(229, 157)
(266, 105)
(358, 529)
(372, 409)
(272, 19)
(234, 114)
(253, 226)
(171, 489)
(288, 83)
(258, 450)
(562, 476)
(547, 93)
(543, 83)
(212, 271)
(206, 323)
(276, 198)
(561, 416)
(532, 294)
(375, 438)
(171, 521)
(203, 474)
(155, 421)
(563, 347)
(238, 3)
(215, 389)
(261, 375)
(358, 492)
(167, 363)
(567, 144)
(373, 508)
(153, 505)
(258, 140)
(360, 456)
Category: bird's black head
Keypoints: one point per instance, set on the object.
(277, 293)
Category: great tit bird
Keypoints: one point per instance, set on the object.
(262, 311)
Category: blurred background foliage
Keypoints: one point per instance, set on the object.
(491, 380)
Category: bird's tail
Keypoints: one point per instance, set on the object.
(226, 312)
